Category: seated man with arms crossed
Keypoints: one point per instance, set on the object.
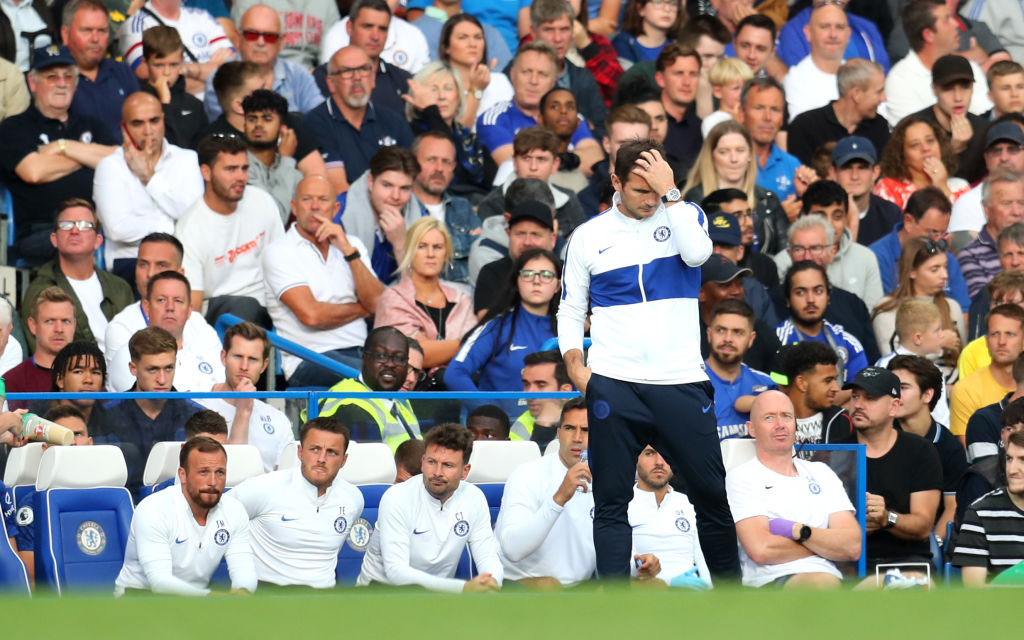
(546, 527)
(170, 547)
(793, 518)
(422, 528)
(301, 516)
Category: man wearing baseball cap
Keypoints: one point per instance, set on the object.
(726, 239)
(855, 168)
(721, 280)
(953, 86)
(1004, 148)
(47, 154)
(904, 473)
(735, 203)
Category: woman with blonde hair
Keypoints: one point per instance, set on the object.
(922, 274)
(726, 160)
(436, 102)
(420, 304)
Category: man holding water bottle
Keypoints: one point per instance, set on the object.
(545, 528)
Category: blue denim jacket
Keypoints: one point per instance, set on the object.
(462, 222)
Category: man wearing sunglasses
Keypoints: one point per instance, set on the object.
(260, 43)
(385, 363)
(97, 295)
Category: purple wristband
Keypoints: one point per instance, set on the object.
(781, 527)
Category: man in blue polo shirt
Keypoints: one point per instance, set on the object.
(103, 83)
(926, 215)
(764, 108)
(730, 335)
(534, 72)
(349, 126)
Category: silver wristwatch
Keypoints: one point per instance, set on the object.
(673, 195)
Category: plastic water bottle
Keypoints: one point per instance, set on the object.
(43, 430)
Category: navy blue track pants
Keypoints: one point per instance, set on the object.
(678, 421)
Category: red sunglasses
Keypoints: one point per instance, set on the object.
(253, 36)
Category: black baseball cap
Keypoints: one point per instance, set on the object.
(725, 229)
(719, 269)
(532, 210)
(951, 68)
(876, 381)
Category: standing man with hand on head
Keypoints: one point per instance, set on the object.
(640, 382)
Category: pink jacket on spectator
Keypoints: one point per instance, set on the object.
(397, 308)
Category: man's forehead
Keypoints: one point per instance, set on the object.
(545, 370)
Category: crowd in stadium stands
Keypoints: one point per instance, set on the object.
(394, 185)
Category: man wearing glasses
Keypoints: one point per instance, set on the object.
(385, 363)
(48, 155)
(97, 295)
(926, 215)
(260, 43)
(320, 286)
(350, 126)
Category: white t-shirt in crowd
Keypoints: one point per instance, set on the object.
(90, 293)
(406, 46)
(270, 430)
(293, 262)
(222, 252)
(808, 87)
(810, 498)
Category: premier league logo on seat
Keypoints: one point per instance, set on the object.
(340, 524)
(221, 537)
(91, 538)
(25, 516)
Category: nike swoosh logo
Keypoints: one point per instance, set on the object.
(415, 532)
(707, 408)
(177, 541)
(605, 249)
(284, 519)
(635, 526)
(186, 112)
(768, 486)
(516, 347)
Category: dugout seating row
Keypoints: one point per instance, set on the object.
(83, 512)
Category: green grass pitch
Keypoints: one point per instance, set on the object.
(591, 613)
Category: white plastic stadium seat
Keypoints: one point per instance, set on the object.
(23, 464)
(289, 458)
(369, 463)
(162, 463)
(81, 468)
(494, 461)
(244, 462)
(736, 451)
(552, 448)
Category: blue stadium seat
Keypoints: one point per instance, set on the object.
(83, 515)
(350, 559)
(13, 575)
(493, 491)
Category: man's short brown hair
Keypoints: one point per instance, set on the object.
(536, 138)
(627, 114)
(394, 158)
(247, 331)
(454, 437)
(672, 52)
(52, 293)
(151, 341)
